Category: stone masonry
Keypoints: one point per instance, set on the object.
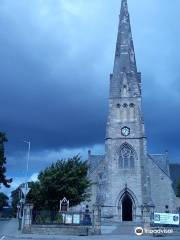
(127, 181)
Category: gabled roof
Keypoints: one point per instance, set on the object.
(94, 161)
(161, 162)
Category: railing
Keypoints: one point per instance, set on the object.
(46, 217)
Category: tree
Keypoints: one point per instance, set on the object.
(6, 182)
(65, 178)
(3, 200)
(15, 196)
(36, 195)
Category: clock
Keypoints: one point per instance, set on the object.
(125, 131)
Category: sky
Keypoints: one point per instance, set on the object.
(55, 61)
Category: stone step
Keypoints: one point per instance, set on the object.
(124, 228)
(117, 223)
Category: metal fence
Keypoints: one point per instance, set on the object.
(46, 217)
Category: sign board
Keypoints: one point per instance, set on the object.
(25, 189)
(166, 218)
(68, 219)
(64, 217)
(76, 219)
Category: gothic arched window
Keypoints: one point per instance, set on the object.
(125, 105)
(127, 156)
(132, 105)
(118, 105)
(132, 111)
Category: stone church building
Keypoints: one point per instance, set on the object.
(128, 181)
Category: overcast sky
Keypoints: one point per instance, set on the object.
(55, 61)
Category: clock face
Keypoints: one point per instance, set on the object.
(125, 131)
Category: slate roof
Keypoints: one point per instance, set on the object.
(95, 160)
(161, 161)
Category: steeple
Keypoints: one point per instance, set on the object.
(124, 56)
(125, 61)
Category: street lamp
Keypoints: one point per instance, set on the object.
(25, 189)
(28, 156)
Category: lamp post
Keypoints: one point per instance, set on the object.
(25, 189)
(28, 156)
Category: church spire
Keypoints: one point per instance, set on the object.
(125, 61)
(124, 56)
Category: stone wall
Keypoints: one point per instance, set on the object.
(61, 230)
(162, 192)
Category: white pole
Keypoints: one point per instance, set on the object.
(26, 181)
(27, 168)
(28, 157)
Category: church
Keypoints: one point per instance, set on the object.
(129, 183)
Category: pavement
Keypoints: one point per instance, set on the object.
(9, 231)
(9, 227)
(84, 238)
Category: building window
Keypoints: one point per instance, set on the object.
(131, 161)
(125, 105)
(127, 156)
(121, 161)
(132, 111)
(167, 209)
(118, 105)
(132, 105)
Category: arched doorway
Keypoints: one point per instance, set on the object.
(127, 208)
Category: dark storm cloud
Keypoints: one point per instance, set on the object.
(161, 111)
(50, 79)
(55, 60)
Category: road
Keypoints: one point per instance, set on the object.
(8, 231)
(9, 227)
(3, 225)
(88, 238)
